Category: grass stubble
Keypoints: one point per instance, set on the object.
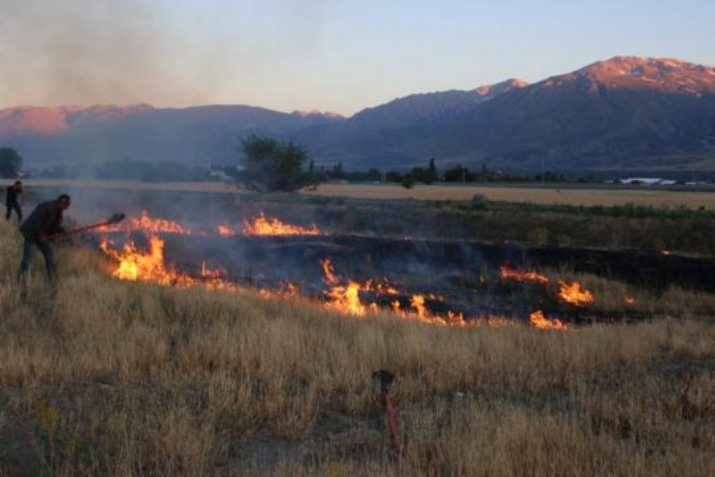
(100, 377)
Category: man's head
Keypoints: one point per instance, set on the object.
(64, 200)
(18, 183)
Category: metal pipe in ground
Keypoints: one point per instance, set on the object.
(385, 379)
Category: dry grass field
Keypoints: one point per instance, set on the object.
(581, 196)
(99, 377)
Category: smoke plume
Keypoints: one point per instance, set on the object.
(134, 51)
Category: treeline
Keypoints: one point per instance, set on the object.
(178, 172)
(454, 174)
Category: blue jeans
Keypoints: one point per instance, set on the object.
(28, 252)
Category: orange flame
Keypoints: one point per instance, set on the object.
(133, 264)
(527, 276)
(538, 320)
(346, 298)
(149, 266)
(225, 230)
(272, 226)
(149, 225)
(630, 300)
(574, 295)
(330, 277)
(418, 303)
(285, 290)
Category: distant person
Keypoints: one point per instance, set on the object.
(44, 221)
(12, 200)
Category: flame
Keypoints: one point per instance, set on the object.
(346, 296)
(134, 265)
(261, 225)
(225, 230)
(527, 276)
(272, 226)
(284, 290)
(328, 272)
(346, 299)
(666, 252)
(148, 225)
(538, 320)
(574, 295)
(630, 300)
(418, 303)
(350, 297)
(149, 266)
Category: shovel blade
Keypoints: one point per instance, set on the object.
(116, 218)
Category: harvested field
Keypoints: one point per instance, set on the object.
(583, 196)
(552, 195)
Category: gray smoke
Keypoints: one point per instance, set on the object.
(132, 51)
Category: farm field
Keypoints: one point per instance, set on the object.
(231, 352)
(552, 195)
(101, 376)
(354, 239)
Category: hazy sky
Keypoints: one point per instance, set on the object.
(339, 55)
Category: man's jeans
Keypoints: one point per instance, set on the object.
(28, 253)
(13, 205)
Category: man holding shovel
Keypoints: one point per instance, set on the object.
(44, 221)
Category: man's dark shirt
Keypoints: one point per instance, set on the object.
(45, 220)
(13, 192)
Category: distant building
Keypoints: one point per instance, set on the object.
(646, 181)
(220, 176)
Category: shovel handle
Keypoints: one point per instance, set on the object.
(113, 220)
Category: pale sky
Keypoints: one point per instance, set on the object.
(339, 55)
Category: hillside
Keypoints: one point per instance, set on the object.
(96, 134)
(430, 108)
(622, 113)
(625, 112)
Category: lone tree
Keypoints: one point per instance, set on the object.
(274, 165)
(10, 162)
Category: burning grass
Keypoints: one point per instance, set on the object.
(345, 296)
(262, 225)
(111, 377)
(146, 223)
(258, 226)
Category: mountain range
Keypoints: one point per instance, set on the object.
(622, 113)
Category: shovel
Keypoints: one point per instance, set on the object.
(114, 219)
